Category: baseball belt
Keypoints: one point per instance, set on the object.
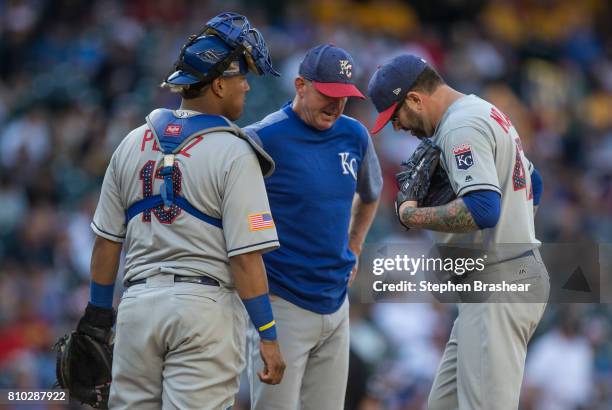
(201, 280)
(525, 254)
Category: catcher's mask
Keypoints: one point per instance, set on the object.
(226, 46)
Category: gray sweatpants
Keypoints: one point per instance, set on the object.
(316, 350)
(482, 366)
(177, 346)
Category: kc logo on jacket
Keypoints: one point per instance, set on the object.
(348, 165)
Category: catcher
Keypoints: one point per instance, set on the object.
(184, 196)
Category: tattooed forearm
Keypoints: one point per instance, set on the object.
(452, 217)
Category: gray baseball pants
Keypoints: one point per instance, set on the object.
(316, 350)
(483, 363)
(177, 346)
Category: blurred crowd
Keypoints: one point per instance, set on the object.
(76, 76)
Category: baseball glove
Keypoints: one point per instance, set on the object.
(84, 358)
(422, 180)
(440, 190)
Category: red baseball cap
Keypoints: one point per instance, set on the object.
(383, 118)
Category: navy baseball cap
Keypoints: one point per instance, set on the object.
(390, 84)
(330, 69)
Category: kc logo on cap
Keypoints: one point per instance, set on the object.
(346, 68)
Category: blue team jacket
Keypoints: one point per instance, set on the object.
(311, 193)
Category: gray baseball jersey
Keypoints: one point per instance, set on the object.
(481, 150)
(219, 174)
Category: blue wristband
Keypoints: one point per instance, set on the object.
(260, 312)
(101, 295)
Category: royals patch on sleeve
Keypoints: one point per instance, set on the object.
(260, 221)
(464, 159)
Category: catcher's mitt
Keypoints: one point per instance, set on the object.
(84, 362)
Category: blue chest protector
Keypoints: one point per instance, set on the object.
(173, 132)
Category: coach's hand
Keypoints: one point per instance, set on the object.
(274, 365)
(356, 249)
(354, 272)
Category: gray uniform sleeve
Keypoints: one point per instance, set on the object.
(247, 220)
(369, 180)
(469, 161)
(109, 218)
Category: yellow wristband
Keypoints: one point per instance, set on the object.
(267, 326)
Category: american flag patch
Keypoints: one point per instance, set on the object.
(260, 221)
(173, 130)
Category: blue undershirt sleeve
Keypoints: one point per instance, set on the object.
(485, 206)
(537, 186)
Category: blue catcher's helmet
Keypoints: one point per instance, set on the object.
(226, 46)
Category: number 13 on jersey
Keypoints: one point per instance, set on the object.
(147, 173)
